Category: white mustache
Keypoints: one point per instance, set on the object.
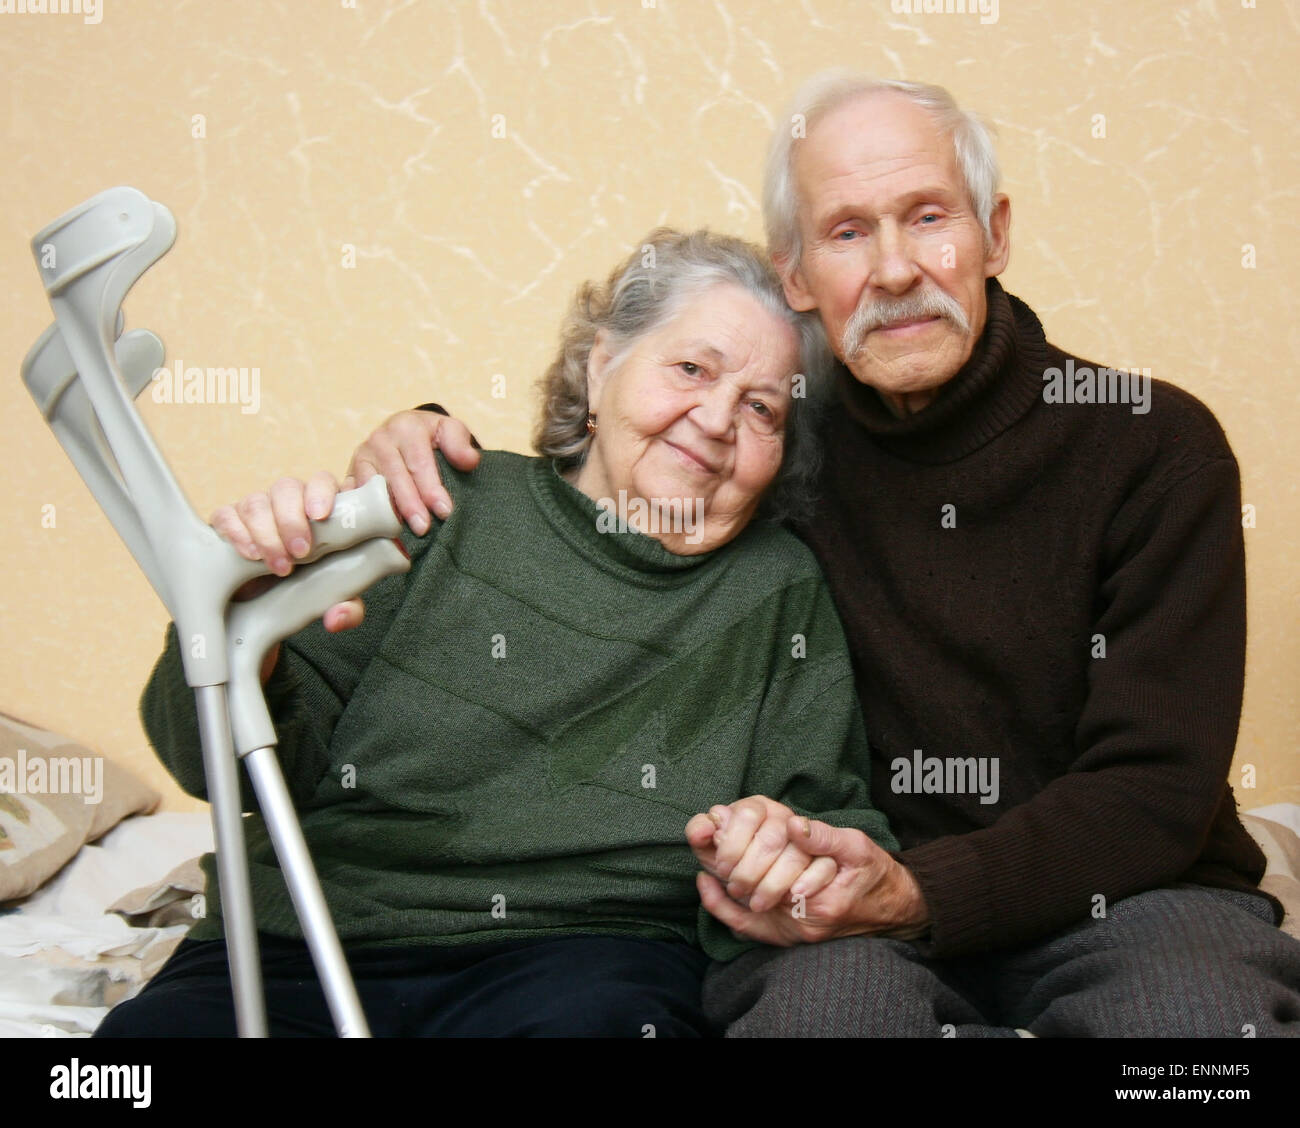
(877, 314)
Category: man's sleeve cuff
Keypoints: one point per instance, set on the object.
(440, 410)
(952, 880)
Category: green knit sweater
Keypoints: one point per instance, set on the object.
(511, 745)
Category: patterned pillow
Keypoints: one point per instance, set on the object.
(55, 795)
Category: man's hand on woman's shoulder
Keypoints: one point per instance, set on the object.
(401, 449)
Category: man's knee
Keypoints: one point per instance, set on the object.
(1183, 962)
(854, 987)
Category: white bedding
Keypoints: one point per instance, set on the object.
(64, 961)
(1288, 814)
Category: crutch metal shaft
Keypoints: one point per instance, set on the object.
(308, 898)
(222, 772)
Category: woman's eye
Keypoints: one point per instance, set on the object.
(762, 409)
(847, 231)
(689, 367)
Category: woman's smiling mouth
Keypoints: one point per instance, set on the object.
(694, 461)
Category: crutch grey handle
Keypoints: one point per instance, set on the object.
(255, 625)
(358, 515)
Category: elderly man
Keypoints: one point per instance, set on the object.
(1040, 567)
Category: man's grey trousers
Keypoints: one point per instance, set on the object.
(1187, 961)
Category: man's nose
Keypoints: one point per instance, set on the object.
(893, 265)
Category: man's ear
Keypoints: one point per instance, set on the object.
(797, 295)
(999, 251)
(597, 366)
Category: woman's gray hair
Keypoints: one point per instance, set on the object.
(971, 137)
(645, 292)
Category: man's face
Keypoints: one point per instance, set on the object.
(889, 234)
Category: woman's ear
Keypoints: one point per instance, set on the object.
(597, 366)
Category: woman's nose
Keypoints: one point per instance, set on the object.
(715, 413)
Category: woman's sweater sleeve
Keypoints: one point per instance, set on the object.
(818, 763)
(810, 751)
(313, 680)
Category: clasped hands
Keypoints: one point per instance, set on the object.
(783, 879)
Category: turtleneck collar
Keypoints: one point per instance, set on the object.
(631, 554)
(998, 384)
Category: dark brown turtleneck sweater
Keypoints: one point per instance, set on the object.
(1070, 521)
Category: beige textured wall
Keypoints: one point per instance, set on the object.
(376, 125)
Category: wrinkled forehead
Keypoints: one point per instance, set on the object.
(736, 334)
(875, 143)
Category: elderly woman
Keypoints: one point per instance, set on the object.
(494, 769)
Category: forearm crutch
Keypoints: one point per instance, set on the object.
(84, 375)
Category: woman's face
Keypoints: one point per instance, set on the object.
(691, 424)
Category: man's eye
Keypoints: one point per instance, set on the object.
(931, 215)
(847, 231)
(690, 368)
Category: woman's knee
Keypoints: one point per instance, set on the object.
(611, 988)
(172, 1010)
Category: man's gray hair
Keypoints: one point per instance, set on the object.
(971, 137)
(646, 291)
